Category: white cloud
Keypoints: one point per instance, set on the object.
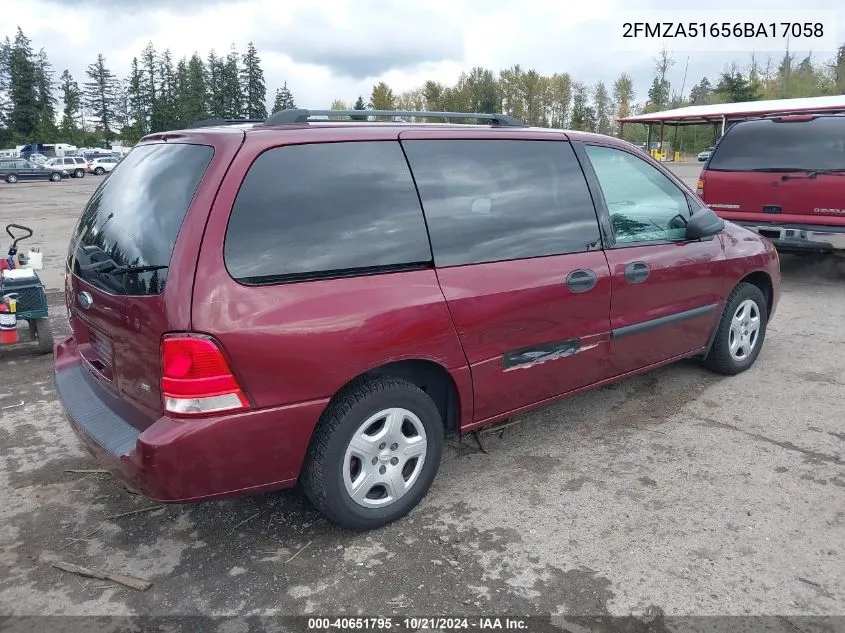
(340, 48)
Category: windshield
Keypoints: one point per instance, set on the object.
(784, 146)
(126, 235)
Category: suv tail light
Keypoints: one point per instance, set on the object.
(196, 379)
(699, 187)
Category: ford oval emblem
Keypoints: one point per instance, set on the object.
(85, 300)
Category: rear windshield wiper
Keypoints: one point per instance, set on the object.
(136, 269)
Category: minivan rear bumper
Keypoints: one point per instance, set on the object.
(180, 461)
(799, 238)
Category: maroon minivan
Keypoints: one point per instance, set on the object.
(258, 304)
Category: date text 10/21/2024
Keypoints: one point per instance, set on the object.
(439, 623)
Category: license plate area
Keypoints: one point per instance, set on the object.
(96, 349)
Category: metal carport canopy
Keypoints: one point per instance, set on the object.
(725, 112)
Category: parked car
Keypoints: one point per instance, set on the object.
(13, 170)
(320, 301)
(783, 178)
(39, 159)
(99, 166)
(703, 156)
(74, 165)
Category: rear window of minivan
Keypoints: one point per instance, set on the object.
(126, 234)
(782, 145)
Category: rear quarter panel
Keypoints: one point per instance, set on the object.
(297, 342)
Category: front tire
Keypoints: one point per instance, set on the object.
(79, 173)
(99, 171)
(741, 331)
(55, 176)
(374, 453)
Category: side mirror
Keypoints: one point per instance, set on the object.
(704, 223)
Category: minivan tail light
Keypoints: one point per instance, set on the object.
(699, 187)
(196, 379)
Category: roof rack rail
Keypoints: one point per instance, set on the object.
(300, 116)
(219, 122)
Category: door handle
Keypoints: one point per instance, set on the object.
(637, 272)
(581, 280)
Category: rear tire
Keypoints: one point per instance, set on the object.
(44, 335)
(79, 173)
(741, 331)
(374, 453)
(11, 178)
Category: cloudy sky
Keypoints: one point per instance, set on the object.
(340, 48)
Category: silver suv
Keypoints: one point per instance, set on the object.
(74, 165)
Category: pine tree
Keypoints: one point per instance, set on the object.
(123, 110)
(136, 97)
(167, 98)
(232, 94)
(44, 83)
(149, 88)
(181, 85)
(23, 91)
(214, 86)
(284, 99)
(253, 88)
(72, 99)
(101, 94)
(194, 96)
(5, 84)
(701, 92)
(359, 105)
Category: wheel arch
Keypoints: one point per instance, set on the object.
(763, 281)
(430, 376)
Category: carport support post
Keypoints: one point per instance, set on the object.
(622, 130)
(648, 139)
(723, 126)
(675, 141)
(662, 151)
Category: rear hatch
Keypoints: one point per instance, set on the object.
(787, 170)
(121, 291)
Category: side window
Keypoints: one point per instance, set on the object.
(494, 200)
(306, 211)
(644, 205)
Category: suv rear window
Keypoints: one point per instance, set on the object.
(134, 216)
(326, 210)
(782, 145)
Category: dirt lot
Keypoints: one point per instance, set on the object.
(677, 491)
